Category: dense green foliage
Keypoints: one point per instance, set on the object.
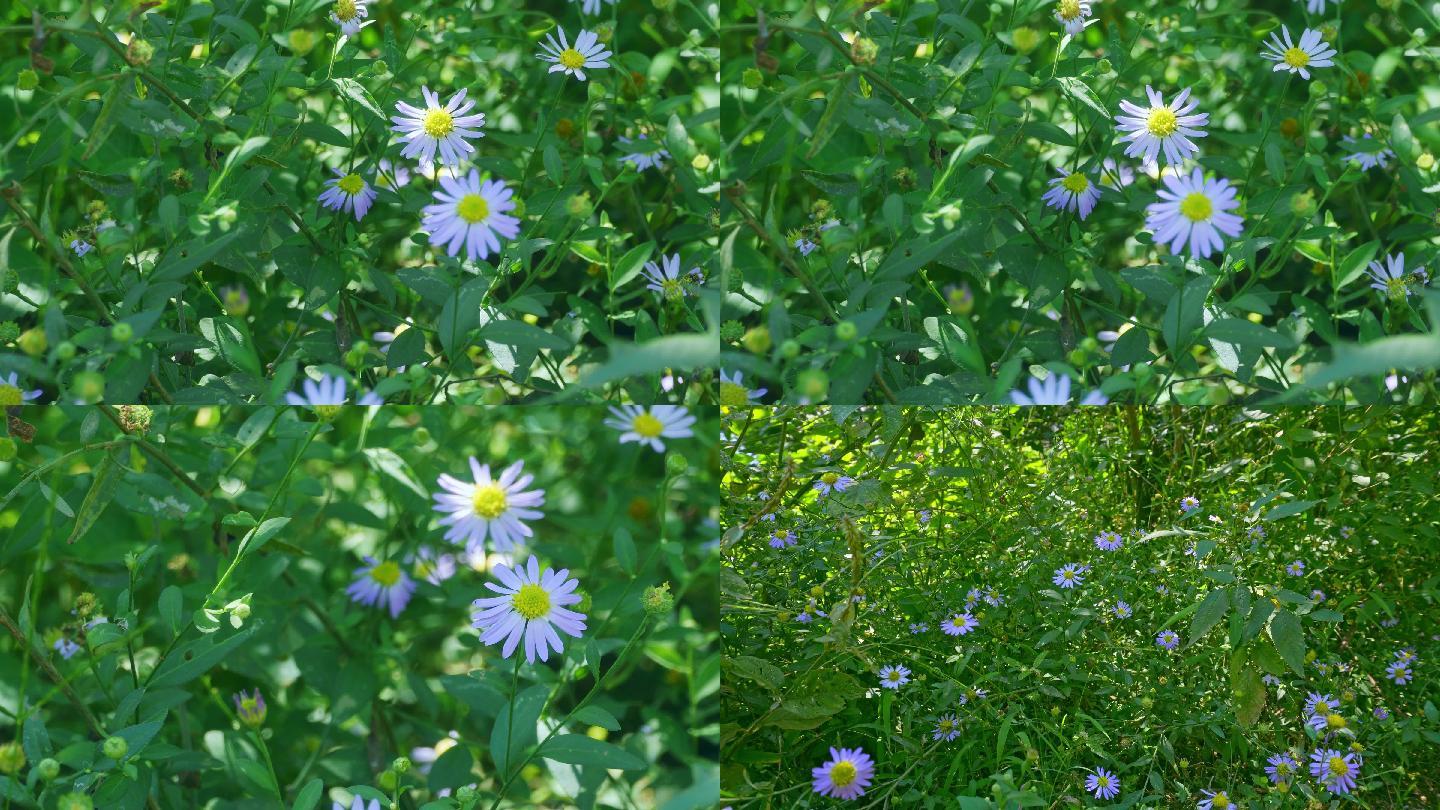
(184, 146)
(1057, 681)
(888, 162)
(216, 550)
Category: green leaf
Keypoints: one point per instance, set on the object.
(522, 335)
(1285, 510)
(189, 662)
(408, 348)
(596, 716)
(244, 152)
(452, 769)
(231, 342)
(1355, 263)
(102, 491)
(1209, 614)
(172, 608)
(625, 550)
(309, 796)
(35, 739)
(1244, 333)
(678, 352)
(1247, 689)
(578, 749)
(525, 708)
(387, 461)
(356, 92)
(1289, 639)
(262, 534)
(629, 265)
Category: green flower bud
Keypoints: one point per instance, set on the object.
(33, 342)
(1076, 357)
(658, 600)
(122, 332)
(1425, 162)
(1303, 204)
(790, 349)
(1103, 67)
(66, 350)
(88, 386)
(135, 418)
(115, 748)
(753, 79)
(864, 50)
(180, 179)
(387, 780)
(676, 464)
(731, 331)
(47, 769)
(1025, 39)
(400, 765)
(8, 448)
(813, 385)
(74, 801)
(12, 757)
(301, 41)
(846, 331)
(139, 52)
(757, 340)
(27, 80)
(9, 330)
(85, 604)
(579, 205)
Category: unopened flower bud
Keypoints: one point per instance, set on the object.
(115, 747)
(658, 600)
(27, 80)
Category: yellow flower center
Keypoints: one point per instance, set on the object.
(1069, 9)
(1335, 721)
(1220, 800)
(344, 10)
(351, 184)
(386, 573)
(473, 208)
(947, 725)
(438, 123)
(1102, 781)
(1394, 287)
(1068, 575)
(328, 412)
(572, 59)
(1162, 122)
(894, 676)
(842, 774)
(830, 478)
(489, 501)
(10, 395)
(1338, 766)
(647, 425)
(734, 396)
(1196, 207)
(531, 601)
(1075, 183)
(1322, 707)
(1296, 58)
(1282, 768)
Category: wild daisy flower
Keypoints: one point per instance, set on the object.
(1168, 639)
(66, 648)
(1317, 703)
(250, 708)
(1215, 800)
(1369, 158)
(1072, 191)
(832, 482)
(587, 53)
(443, 129)
(803, 618)
(1282, 767)
(1103, 784)
(640, 157)
(1195, 210)
(350, 16)
(471, 213)
(1069, 576)
(1121, 610)
(1335, 771)
(947, 728)
(432, 567)
(1295, 569)
(1053, 390)
(1162, 127)
(959, 624)
(347, 193)
(1399, 672)
(665, 278)
(12, 393)
(1189, 504)
(805, 246)
(894, 677)
(81, 247)
(531, 605)
(380, 585)
(1381, 713)
(493, 507)
(327, 396)
(846, 775)
(1391, 278)
(1310, 53)
(1073, 15)
(993, 597)
(734, 394)
(649, 425)
(1109, 541)
(782, 538)
(973, 693)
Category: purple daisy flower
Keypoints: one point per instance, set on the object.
(959, 624)
(1189, 504)
(1069, 576)
(1103, 784)
(1399, 672)
(1214, 800)
(1282, 767)
(1168, 639)
(1295, 569)
(1109, 541)
(947, 728)
(1121, 610)
(833, 482)
(782, 538)
(894, 677)
(846, 775)
(382, 585)
(1335, 771)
